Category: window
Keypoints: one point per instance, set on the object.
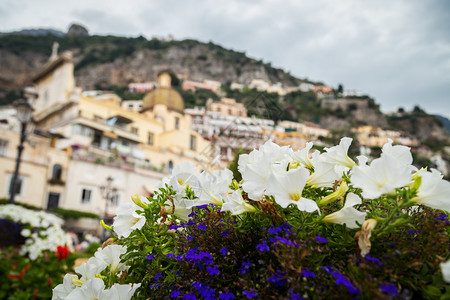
(53, 200)
(130, 106)
(3, 147)
(86, 195)
(57, 171)
(177, 123)
(134, 130)
(193, 142)
(170, 165)
(150, 138)
(115, 200)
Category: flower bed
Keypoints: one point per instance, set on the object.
(299, 225)
(34, 253)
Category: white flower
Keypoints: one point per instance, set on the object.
(433, 191)
(88, 270)
(235, 204)
(110, 255)
(183, 174)
(401, 153)
(302, 156)
(128, 219)
(383, 176)
(61, 291)
(348, 214)
(121, 291)
(337, 155)
(257, 167)
(214, 186)
(93, 289)
(324, 174)
(445, 268)
(287, 189)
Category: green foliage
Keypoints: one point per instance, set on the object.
(233, 166)
(21, 278)
(73, 214)
(4, 201)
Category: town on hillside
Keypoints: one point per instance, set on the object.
(90, 150)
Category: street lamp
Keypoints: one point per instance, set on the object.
(108, 193)
(24, 114)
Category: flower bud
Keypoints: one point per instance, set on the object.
(137, 200)
(343, 188)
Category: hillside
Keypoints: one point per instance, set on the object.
(111, 62)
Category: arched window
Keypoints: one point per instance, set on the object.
(57, 171)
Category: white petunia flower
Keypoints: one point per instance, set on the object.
(214, 186)
(401, 153)
(93, 289)
(61, 291)
(257, 167)
(287, 189)
(302, 155)
(383, 176)
(235, 204)
(348, 214)
(445, 268)
(121, 291)
(183, 174)
(127, 219)
(433, 191)
(110, 255)
(324, 174)
(88, 270)
(337, 155)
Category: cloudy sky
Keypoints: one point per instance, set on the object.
(396, 51)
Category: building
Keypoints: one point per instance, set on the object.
(81, 139)
(227, 107)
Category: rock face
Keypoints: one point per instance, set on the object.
(77, 29)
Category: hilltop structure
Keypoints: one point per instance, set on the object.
(82, 138)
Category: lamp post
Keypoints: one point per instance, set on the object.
(24, 111)
(108, 192)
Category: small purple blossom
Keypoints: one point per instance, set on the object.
(307, 273)
(262, 247)
(390, 289)
(278, 278)
(213, 270)
(223, 251)
(250, 294)
(189, 238)
(158, 276)
(201, 226)
(226, 296)
(175, 294)
(170, 255)
(374, 260)
(245, 266)
(274, 230)
(225, 233)
(321, 239)
(341, 280)
(284, 241)
(150, 256)
(189, 296)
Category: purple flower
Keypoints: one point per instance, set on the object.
(189, 296)
(245, 266)
(225, 233)
(213, 270)
(374, 260)
(250, 294)
(201, 226)
(204, 206)
(274, 230)
(307, 273)
(284, 241)
(190, 223)
(390, 289)
(175, 294)
(321, 239)
(170, 255)
(226, 296)
(278, 278)
(223, 251)
(286, 228)
(342, 280)
(189, 238)
(441, 217)
(150, 256)
(262, 247)
(158, 276)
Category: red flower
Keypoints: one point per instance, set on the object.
(20, 275)
(62, 252)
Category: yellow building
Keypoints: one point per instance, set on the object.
(87, 137)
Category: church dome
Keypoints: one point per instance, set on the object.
(165, 95)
